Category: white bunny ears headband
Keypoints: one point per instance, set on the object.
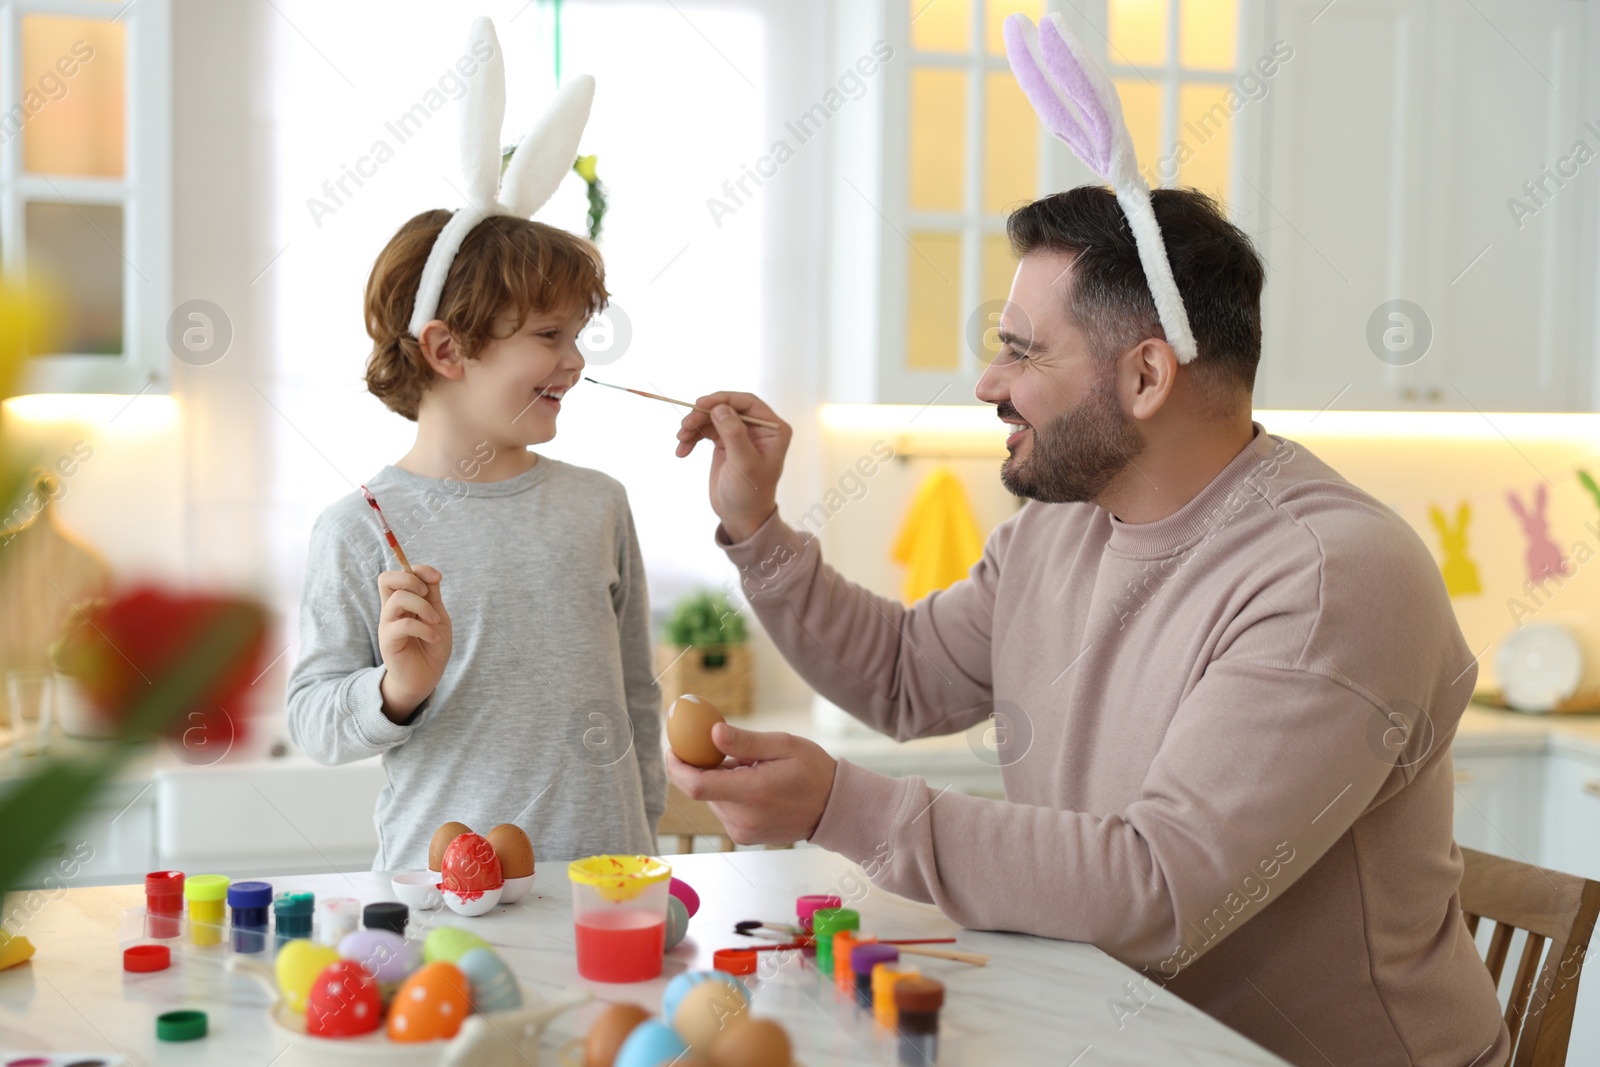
(541, 160)
(1077, 103)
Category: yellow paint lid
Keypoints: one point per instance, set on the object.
(206, 887)
(618, 877)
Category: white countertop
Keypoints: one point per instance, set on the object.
(1484, 729)
(1038, 1001)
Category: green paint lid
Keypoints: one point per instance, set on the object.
(181, 1025)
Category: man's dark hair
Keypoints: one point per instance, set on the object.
(1217, 270)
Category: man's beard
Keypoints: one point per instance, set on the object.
(1075, 456)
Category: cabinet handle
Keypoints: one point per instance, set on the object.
(1409, 395)
(1463, 777)
(1592, 787)
(1436, 395)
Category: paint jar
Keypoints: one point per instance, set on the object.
(207, 897)
(863, 958)
(844, 943)
(885, 976)
(293, 912)
(619, 916)
(163, 903)
(825, 922)
(388, 915)
(248, 903)
(806, 907)
(337, 919)
(918, 1000)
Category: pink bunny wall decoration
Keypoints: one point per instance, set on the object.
(1544, 555)
(1077, 103)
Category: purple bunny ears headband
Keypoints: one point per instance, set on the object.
(1078, 104)
(541, 160)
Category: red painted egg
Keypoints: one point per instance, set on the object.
(431, 1005)
(470, 866)
(343, 1002)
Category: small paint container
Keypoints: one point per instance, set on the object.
(163, 903)
(386, 915)
(806, 907)
(863, 958)
(735, 960)
(825, 922)
(248, 905)
(844, 943)
(337, 919)
(918, 1000)
(292, 913)
(207, 897)
(885, 976)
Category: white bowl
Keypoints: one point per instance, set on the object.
(418, 890)
(515, 889)
(478, 905)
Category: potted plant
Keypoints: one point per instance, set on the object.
(704, 651)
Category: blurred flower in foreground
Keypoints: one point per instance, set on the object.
(29, 316)
(152, 661)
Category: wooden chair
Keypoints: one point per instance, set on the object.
(687, 819)
(1550, 907)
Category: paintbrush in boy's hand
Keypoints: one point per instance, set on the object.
(399, 552)
(751, 419)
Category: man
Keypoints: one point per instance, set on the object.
(1228, 679)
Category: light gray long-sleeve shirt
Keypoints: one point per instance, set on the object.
(547, 715)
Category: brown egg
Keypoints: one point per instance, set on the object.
(751, 1043)
(689, 723)
(511, 844)
(441, 841)
(609, 1032)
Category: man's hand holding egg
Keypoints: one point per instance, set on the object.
(774, 791)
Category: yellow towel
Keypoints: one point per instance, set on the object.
(939, 541)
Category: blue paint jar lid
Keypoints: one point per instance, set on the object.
(249, 895)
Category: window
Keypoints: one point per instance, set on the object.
(972, 150)
(1173, 63)
(84, 179)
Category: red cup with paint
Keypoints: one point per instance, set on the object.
(163, 902)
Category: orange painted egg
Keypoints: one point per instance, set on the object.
(431, 1005)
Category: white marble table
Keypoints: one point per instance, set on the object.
(1038, 1002)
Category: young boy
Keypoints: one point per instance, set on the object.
(509, 678)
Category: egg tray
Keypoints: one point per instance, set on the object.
(496, 1039)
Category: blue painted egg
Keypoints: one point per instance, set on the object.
(677, 922)
(494, 987)
(652, 1044)
(679, 987)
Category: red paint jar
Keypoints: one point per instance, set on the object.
(163, 902)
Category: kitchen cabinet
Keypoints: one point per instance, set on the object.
(1498, 805)
(1571, 833)
(1427, 151)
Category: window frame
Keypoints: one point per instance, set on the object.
(896, 382)
(144, 192)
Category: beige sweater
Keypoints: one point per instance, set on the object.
(1225, 739)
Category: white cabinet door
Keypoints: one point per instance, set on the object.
(1572, 816)
(1397, 138)
(1504, 284)
(1337, 199)
(1497, 805)
(1572, 844)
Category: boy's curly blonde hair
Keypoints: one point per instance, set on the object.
(505, 264)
